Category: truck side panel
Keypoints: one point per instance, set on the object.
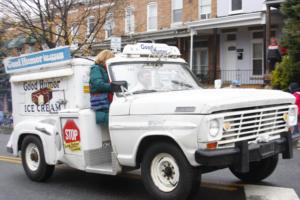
(127, 132)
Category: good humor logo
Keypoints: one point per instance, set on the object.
(154, 49)
(40, 58)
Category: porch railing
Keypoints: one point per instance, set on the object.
(243, 76)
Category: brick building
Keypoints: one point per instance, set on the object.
(217, 37)
(167, 21)
(224, 39)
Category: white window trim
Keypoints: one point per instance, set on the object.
(133, 21)
(231, 12)
(88, 24)
(74, 32)
(251, 54)
(172, 17)
(148, 5)
(106, 32)
(199, 8)
(106, 35)
(58, 31)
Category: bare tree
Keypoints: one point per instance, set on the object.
(60, 22)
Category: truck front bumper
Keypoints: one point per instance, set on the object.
(240, 156)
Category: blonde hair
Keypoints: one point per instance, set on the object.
(103, 56)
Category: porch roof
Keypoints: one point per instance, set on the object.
(274, 3)
(170, 33)
(174, 32)
(248, 19)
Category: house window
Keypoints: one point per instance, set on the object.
(109, 25)
(236, 5)
(58, 35)
(74, 31)
(129, 20)
(152, 17)
(90, 25)
(88, 1)
(231, 37)
(177, 10)
(58, 31)
(200, 63)
(205, 9)
(257, 35)
(257, 53)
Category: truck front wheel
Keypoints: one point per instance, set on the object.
(258, 170)
(166, 172)
(33, 159)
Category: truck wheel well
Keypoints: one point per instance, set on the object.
(21, 138)
(146, 142)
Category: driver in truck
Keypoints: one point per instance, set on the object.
(100, 87)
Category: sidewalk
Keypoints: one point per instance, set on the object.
(5, 130)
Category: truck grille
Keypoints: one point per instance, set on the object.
(252, 123)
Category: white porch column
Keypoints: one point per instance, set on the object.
(191, 49)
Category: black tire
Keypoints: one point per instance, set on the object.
(43, 170)
(188, 179)
(258, 170)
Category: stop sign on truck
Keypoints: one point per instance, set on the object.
(71, 134)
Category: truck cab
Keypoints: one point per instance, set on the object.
(160, 120)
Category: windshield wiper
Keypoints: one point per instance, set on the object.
(143, 91)
(182, 84)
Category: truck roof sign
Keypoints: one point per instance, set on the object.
(38, 59)
(151, 49)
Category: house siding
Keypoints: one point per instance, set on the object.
(248, 6)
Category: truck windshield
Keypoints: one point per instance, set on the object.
(154, 77)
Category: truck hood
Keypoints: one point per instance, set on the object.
(205, 101)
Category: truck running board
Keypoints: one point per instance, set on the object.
(102, 161)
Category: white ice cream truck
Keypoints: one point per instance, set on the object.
(160, 120)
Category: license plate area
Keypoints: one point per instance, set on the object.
(267, 150)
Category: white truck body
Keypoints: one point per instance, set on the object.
(61, 117)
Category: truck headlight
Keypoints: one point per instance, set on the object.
(292, 119)
(214, 128)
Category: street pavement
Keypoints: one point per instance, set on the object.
(71, 184)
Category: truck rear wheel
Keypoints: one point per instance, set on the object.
(258, 170)
(166, 172)
(33, 159)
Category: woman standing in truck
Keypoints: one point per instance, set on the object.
(100, 87)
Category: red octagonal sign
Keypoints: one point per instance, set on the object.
(71, 136)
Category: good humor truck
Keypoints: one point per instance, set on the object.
(160, 120)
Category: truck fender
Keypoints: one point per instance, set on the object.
(46, 132)
(148, 138)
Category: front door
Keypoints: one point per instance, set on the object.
(230, 59)
(200, 63)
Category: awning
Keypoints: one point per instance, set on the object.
(257, 18)
(18, 42)
(30, 40)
